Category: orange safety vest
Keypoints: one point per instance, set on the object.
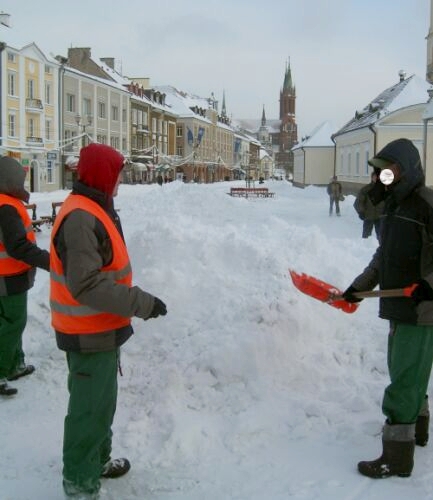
(8, 265)
(67, 315)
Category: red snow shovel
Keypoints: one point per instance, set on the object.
(333, 296)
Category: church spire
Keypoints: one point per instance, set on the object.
(288, 77)
(263, 117)
(223, 107)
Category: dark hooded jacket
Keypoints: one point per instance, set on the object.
(405, 254)
(13, 233)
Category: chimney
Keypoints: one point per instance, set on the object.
(402, 75)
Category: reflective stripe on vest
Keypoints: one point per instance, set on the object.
(67, 314)
(8, 265)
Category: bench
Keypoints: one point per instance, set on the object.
(246, 192)
(36, 222)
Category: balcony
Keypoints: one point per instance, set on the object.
(34, 140)
(34, 104)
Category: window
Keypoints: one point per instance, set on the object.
(12, 79)
(48, 69)
(31, 127)
(11, 57)
(179, 151)
(134, 116)
(123, 144)
(87, 106)
(145, 119)
(179, 131)
(115, 113)
(357, 163)
(123, 115)
(101, 110)
(12, 125)
(30, 89)
(114, 142)
(367, 154)
(50, 171)
(48, 131)
(48, 93)
(70, 103)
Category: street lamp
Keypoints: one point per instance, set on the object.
(89, 120)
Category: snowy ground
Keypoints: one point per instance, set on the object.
(247, 389)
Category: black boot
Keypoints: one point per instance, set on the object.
(422, 425)
(7, 390)
(397, 456)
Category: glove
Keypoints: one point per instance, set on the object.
(422, 292)
(159, 308)
(349, 297)
(362, 216)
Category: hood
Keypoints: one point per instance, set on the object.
(406, 155)
(99, 167)
(12, 176)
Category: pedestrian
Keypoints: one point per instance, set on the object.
(369, 205)
(159, 179)
(404, 257)
(92, 302)
(19, 258)
(335, 193)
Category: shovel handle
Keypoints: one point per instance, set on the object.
(392, 292)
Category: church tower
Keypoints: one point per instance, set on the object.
(288, 136)
(429, 74)
(264, 135)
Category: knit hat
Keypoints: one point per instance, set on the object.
(12, 176)
(99, 167)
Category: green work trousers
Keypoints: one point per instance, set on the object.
(410, 356)
(13, 319)
(92, 385)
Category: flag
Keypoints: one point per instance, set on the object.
(237, 145)
(190, 136)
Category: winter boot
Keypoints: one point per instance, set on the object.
(22, 371)
(115, 468)
(398, 443)
(6, 390)
(422, 425)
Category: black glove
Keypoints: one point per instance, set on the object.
(422, 292)
(159, 308)
(349, 297)
(362, 216)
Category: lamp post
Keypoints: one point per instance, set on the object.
(78, 120)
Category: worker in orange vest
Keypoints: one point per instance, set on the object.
(92, 301)
(19, 258)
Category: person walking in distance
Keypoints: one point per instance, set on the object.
(335, 192)
(92, 302)
(19, 258)
(404, 258)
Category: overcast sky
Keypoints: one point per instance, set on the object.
(342, 52)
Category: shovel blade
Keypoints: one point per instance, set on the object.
(322, 291)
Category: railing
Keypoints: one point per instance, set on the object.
(34, 104)
(34, 140)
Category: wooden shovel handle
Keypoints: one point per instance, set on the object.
(392, 292)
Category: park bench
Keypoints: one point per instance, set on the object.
(36, 221)
(246, 192)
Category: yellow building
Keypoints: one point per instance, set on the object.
(29, 114)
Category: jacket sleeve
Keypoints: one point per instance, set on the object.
(83, 256)
(369, 278)
(15, 240)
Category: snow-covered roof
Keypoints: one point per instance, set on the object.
(253, 126)
(406, 92)
(319, 137)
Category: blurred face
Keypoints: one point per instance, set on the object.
(390, 175)
(116, 186)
